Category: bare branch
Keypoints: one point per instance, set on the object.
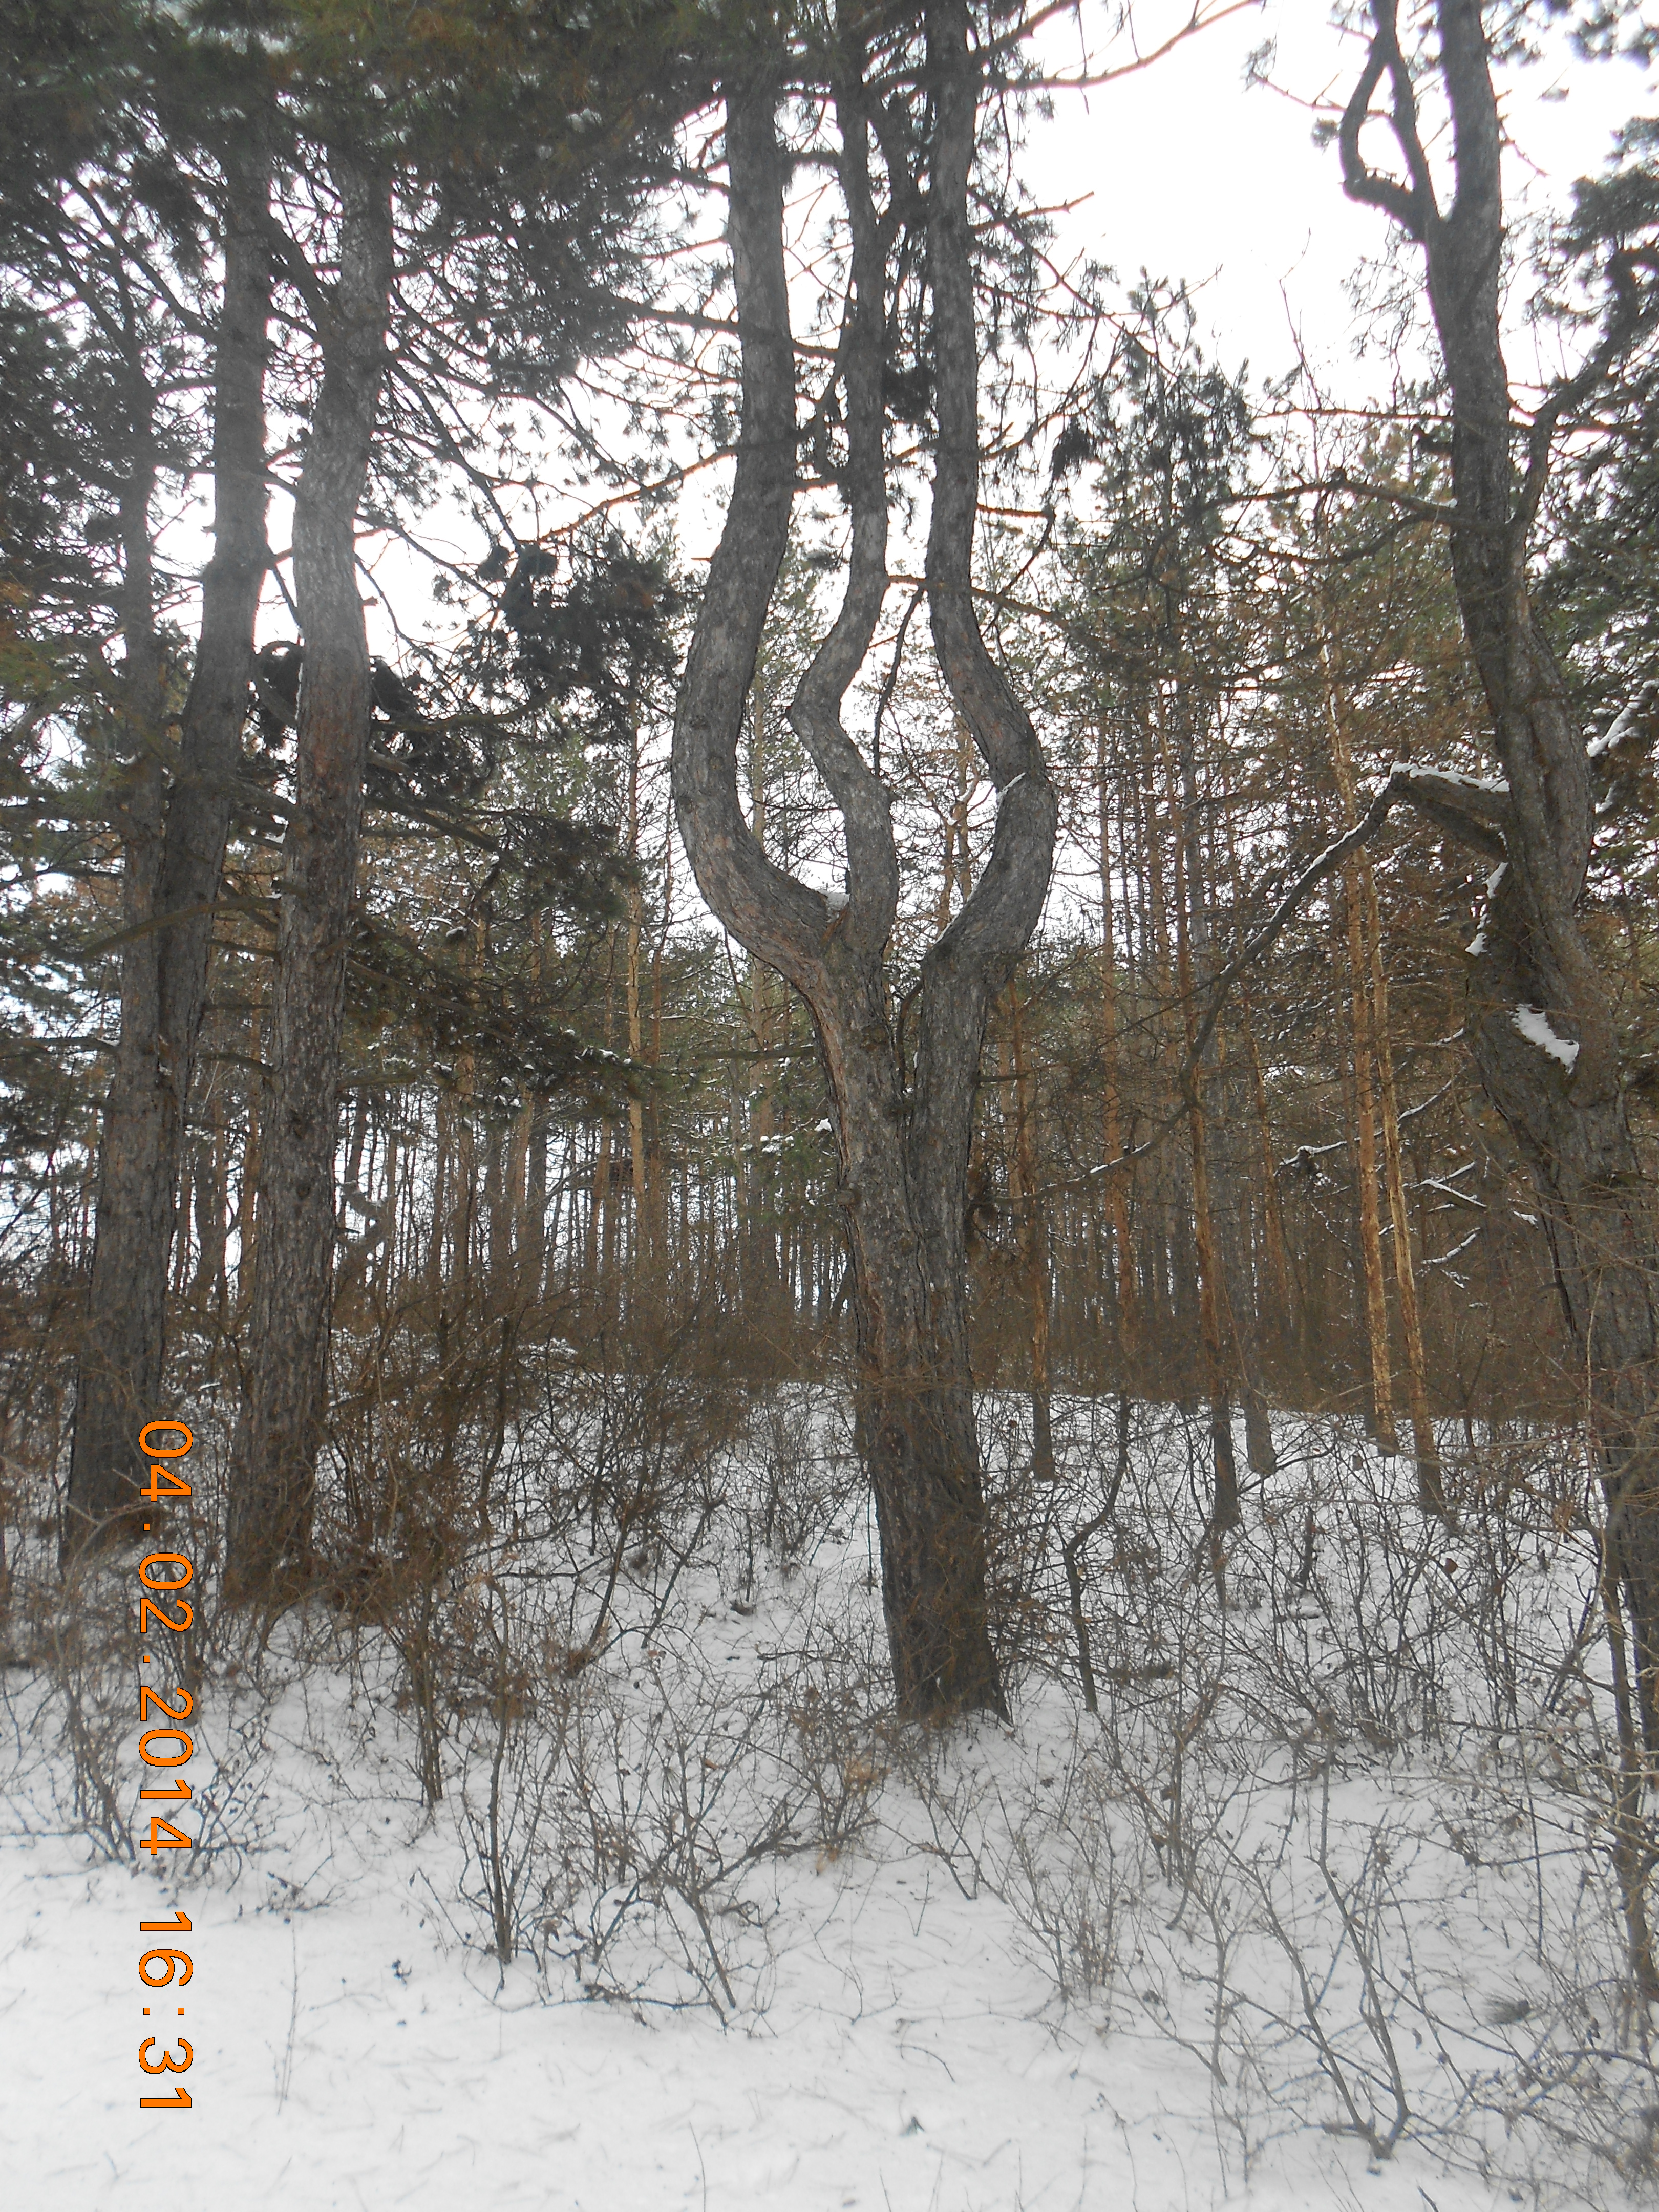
(1410, 205)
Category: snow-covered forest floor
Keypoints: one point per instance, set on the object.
(1321, 1906)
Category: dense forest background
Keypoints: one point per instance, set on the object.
(448, 996)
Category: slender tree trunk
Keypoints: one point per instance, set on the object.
(274, 1466)
(658, 1184)
(247, 1212)
(1034, 1241)
(1214, 1330)
(1431, 1489)
(1182, 1331)
(1236, 1251)
(1365, 1178)
(174, 872)
(537, 1250)
(1366, 1049)
(1273, 1225)
(443, 1116)
(1370, 1001)
(636, 1028)
(496, 1231)
(1115, 1177)
(759, 1169)
(211, 1192)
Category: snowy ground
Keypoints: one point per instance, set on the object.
(880, 2025)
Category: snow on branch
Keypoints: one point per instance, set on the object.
(1623, 725)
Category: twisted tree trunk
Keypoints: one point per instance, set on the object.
(904, 1145)
(173, 875)
(1540, 1013)
(274, 1462)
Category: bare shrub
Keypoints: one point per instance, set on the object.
(1060, 1875)
(834, 1686)
(626, 1466)
(795, 1479)
(80, 1708)
(1347, 2002)
(84, 1647)
(619, 1824)
(1359, 1823)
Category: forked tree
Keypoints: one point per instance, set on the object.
(902, 1123)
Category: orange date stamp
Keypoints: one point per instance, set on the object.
(165, 1745)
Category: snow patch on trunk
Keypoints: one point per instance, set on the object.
(1534, 1024)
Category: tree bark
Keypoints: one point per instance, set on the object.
(1115, 1175)
(1535, 975)
(115, 1390)
(1216, 1331)
(274, 1461)
(170, 892)
(903, 1149)
(1031, 1216)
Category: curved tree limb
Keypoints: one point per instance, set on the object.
(773, 915)
(815, 711)
(993, 927)
(1412, 205)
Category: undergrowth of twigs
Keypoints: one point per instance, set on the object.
(1347, 1834)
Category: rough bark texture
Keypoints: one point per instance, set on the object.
(273, 1474)
(1566, 1110)
(904, 1148)
(174, 871)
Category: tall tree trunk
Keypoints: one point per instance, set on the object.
(1181, 1332)
(1115, 1175)
(1371, 1017)
(1273, 1226)
(1365, 1176)
(768, 1018)
(1215, 1329)
(207, 1291)
(904, 1148)
(116, 1388)
(532, 1237)
(1033, 1226)
(174, 872)
(1240, 1279)
(1540, 1011)
(273, 1476)
(644, 1257)
(1211, 1292)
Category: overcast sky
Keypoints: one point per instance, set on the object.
(1190, 174)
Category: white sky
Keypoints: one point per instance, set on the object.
(1190, 174)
